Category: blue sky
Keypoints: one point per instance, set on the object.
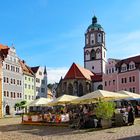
(51, 32)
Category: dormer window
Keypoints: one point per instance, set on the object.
(123, 68)
(131, 65)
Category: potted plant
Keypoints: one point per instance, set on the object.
(105, 111)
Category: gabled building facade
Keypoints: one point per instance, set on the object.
(12, 91)
(77, 81)
(123, 75)
(28, 82)
(40, 81)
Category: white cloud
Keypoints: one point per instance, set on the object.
(55, 74)
(123, 45)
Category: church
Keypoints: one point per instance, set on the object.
(98, 73)
(82, 80)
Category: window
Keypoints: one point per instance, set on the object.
(8, 67)
(92, 39)
(99, 37)
(32, 97)
(131, 65)
(25, 85)
(40, 73)
(37, 80)
(130, 80)
(7, 80)
(17, 95)
(43, 82)
(25, 96)
(86, 39)
(122, 80)
(28, 86)
(112, 70)
(43, 90)
(32, 80)
(32, 87)
(107, 71)
(11, 81)
(123, 67)
(17, 69)
(29, 78)
(5, 93)
(14, 95)
(125, 80)
(13, 68)
(130, 89)
(133, 78)
(20, 95)
(105, 83)
(29, 97)
(37, 89)
(25, 78)
(17, 82)
(4, 79)
(20, 82)
(11, 94)
(93, 55)
(113, 82)
(14, 81)
(133, 90)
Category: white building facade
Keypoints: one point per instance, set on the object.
(12, 87)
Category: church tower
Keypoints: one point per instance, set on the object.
(95, 50)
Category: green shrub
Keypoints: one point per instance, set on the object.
(105, 110)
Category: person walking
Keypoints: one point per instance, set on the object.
(131, 116)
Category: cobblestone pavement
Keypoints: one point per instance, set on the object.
(11, 129)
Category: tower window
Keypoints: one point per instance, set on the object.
(93, 55)
(92, 38)
(99, 38)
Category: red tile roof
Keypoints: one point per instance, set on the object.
(135, 59)
(35, 69)
(97, 78)
(26, 69)
(4, 53)
(3, 46)
(78, 72)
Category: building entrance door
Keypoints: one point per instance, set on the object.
(7, 110)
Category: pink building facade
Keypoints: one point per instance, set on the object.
(122, 75)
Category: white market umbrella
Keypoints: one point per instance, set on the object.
(99, 95)
(64, 99)
(40, 102)
(130, 94)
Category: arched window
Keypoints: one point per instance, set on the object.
(123, 67)
(100, 87)
(80, 90)
(88, 87)
(92, 39)
(93, 55)
(99, 37)
(75, 88)
(98, 53)
(70, 89)
(131, 65)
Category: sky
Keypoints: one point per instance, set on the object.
(51, 32)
